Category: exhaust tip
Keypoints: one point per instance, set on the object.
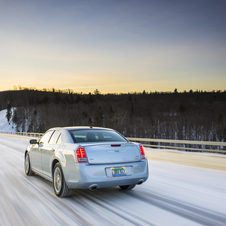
(93, 187)
(140, 182)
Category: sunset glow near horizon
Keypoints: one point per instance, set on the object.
(113, 46)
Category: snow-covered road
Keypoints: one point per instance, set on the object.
(173, 195)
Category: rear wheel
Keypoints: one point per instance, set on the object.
(27, 166)
(127, 187)
(59, 185)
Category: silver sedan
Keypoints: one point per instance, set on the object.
(86, 158)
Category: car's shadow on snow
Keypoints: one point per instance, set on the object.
(102, 194)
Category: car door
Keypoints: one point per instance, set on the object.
(48, 153)
(36, 152)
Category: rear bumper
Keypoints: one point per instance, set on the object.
(84, 175)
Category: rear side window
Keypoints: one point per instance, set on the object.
(92, 135)
(55, 137)
(45, 137)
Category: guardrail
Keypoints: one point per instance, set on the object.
(147, 143)
(23, 134)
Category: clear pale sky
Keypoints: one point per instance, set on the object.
(113, 46)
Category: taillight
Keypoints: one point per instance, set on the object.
(81, 155)
(142, 152)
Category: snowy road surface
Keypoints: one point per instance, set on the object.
(173, 195)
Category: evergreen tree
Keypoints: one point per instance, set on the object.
(15, 117)
(99, 117)
(181, 108)
(9, 112)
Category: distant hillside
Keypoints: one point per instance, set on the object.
(185, 116)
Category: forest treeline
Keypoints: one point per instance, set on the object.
(193, 115)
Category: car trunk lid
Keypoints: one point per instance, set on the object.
(103, 153)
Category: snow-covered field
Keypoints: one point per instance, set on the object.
(4, 125)
(174, 194)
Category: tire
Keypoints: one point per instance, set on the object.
(59, 185)
(27, 166)
(128, 187)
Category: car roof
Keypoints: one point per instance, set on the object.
(80, 128)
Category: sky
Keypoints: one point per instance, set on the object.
(115, 46)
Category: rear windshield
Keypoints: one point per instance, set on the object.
(82, 136)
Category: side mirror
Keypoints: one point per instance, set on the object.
(33, 141)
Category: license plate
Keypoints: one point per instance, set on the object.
(119, 171)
